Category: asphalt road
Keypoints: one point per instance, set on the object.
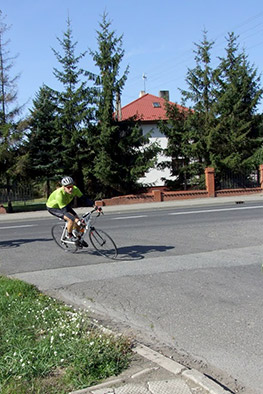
(189, 278)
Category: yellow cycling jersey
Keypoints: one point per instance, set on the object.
(59, 198)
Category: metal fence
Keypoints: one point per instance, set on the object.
(230, 180)
(16, 194)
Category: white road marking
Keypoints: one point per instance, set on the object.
(214, 210)
(24, 225)
(131, 217)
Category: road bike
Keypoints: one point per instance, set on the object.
(99, 239)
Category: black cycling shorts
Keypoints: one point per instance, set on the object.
(60, 213)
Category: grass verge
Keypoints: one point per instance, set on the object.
(27, 206)
(47, 347)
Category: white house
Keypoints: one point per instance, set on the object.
(150, 109)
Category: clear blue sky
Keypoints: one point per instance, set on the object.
(158, 38)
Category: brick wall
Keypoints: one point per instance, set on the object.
(158, 195)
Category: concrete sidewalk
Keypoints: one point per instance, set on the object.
(151, 372)
(195, 202)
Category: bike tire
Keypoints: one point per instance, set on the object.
(103, 243)
(56, 232)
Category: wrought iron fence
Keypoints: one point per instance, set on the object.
(230, 180)
(16, 194)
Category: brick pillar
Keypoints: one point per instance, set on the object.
(261, 175)
(2, 209)
(210, 181)
(157, 195)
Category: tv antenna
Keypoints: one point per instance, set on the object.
(144, 77)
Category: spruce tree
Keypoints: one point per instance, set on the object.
(75, 111)
(177, 146)
(122, 153)
(44, 141)
(10, 132)
(236, 139)
(200, 119)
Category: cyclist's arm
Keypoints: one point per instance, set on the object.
(85, 201)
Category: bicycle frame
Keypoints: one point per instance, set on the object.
(100, 240)
(87, 217)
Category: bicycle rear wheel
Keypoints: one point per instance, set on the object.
(103, 243)
(57, 231)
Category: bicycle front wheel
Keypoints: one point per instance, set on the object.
(57, 231)
(103, 243)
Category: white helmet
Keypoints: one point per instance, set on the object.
(67, 180)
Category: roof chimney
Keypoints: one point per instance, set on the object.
(164, 94)
(142, 93)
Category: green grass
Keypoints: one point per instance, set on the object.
(47, 347)
(29, 205)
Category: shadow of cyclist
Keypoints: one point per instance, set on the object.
(16, 243)
(132, 252)
(136, 252)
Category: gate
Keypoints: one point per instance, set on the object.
(230, 180)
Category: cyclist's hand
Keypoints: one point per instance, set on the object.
(98, 209)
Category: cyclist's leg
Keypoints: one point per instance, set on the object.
(71, 217)
(67, 214)
(59, 213)
(74, 225)
(76, 217)
(56, 212)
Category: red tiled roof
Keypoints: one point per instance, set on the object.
(147, 108)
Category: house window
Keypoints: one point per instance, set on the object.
(156, 104)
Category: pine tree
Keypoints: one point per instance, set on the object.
(10, 133)
(44, 139)
(200, 119)
(123, 155)
(177, 146)
(74, 109)
(236, 141)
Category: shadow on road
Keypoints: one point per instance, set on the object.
(138, 252)
(15, 243)
(133, 252)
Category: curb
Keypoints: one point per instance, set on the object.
(177, 369)
(191, 376)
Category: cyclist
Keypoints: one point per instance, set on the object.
(58, 204)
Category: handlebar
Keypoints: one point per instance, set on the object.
(96, 208)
